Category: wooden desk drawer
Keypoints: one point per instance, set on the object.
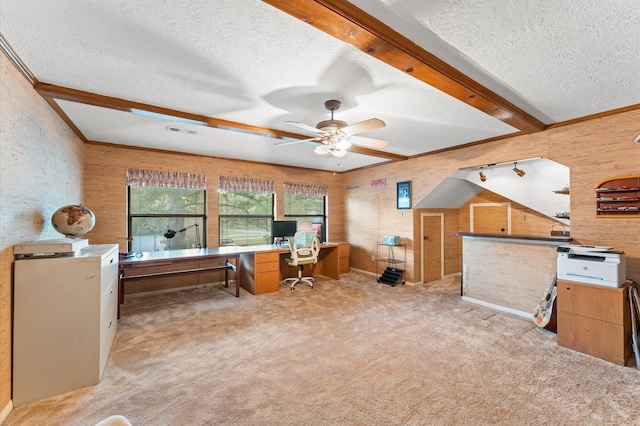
(604, 340)
(272, 256)
(267, 266)
(602, 303)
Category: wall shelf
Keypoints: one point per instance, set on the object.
(564, 191)
(618, 197)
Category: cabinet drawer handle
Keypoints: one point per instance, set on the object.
(110, 292)
(110, 322)
(111, 261)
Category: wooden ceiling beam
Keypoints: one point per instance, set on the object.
(50, 92)
(74, 95)
(344, 21)
(375, 153)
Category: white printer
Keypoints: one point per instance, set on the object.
(49, 248)
(592, 265)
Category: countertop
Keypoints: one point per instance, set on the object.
(555, 239)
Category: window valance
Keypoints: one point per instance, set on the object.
(305, 189)
(240, 184)
(160, 179)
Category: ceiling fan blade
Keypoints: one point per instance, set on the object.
(307, 127)
(364, 126)
(368, 142)
(316, 139)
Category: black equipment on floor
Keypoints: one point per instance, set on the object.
(391, 276)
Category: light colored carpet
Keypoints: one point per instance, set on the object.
(348, 352)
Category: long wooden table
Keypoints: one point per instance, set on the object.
(258, 269)
(177, 258)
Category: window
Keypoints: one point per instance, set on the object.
(167, 211)
(307, 204)
(245, 210)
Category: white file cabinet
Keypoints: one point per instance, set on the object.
(65, 321)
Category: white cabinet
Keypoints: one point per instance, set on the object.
(64, 321)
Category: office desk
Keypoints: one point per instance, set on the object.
(177, 260)
(263, 267)
(258, 269)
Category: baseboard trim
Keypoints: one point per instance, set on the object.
(497, 307)
(5, 411)
(362, 271)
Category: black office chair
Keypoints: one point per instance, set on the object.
(304, 248)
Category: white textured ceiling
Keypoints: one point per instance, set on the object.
(248, 62)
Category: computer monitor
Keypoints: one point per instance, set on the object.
(283, 228)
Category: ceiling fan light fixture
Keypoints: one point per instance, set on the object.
(343, 144)
(331, 126)
(336, 135)
(339, 152)
(322, 149)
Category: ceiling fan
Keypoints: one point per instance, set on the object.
(336, 136)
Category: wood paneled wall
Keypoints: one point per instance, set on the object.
(41, 169)
(452, 252)
(106, 195)
(452, 244)
(524, 221)
(594, 150)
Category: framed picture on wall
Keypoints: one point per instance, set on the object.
(403, 196)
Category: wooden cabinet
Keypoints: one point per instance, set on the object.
(64, 321)
(619, 197)
(260, 272)
(267, 272)
(263, 271)
(344, 257)
(594, 320)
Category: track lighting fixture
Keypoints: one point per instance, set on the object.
(483, 177)
(517, 170)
